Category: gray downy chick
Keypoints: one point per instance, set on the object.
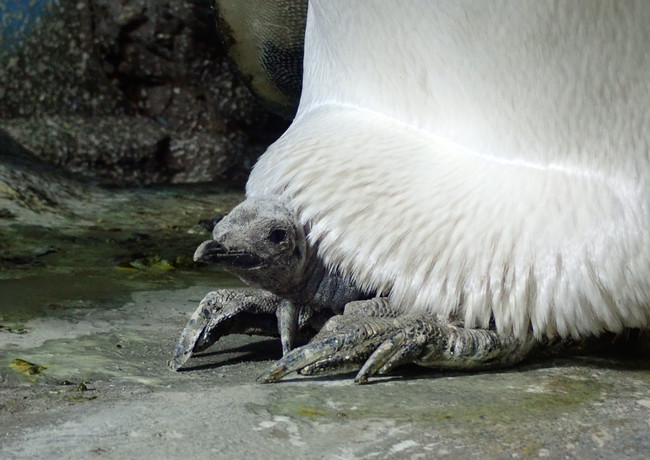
(261, 242)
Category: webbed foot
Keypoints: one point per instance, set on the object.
(226, 312)
(371, 338)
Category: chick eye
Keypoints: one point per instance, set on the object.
(277, 236)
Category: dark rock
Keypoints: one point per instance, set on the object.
(208, 224)
(28, 183)
(6, 214)
(119, 150)
(130, 92)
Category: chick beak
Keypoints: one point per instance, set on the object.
(209, 252)
(212, 252)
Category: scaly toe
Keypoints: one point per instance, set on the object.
(300, 358)
(380, 356)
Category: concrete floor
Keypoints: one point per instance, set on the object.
(134, 407)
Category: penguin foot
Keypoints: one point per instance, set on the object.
(225, 312)
(375, 341)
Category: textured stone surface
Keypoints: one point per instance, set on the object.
(133, 92)
(135, 407)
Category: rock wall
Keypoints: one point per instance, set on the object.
(129, 92)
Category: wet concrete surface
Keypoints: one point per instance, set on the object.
(91, 307)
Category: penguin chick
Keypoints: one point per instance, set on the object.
(263, 243)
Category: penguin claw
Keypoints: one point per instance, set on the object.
(301, 358)
(345, 343)
(225, 312)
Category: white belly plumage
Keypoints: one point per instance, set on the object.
(488, 160)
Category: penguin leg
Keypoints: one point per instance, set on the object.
(372, 338)
(252, 312)
(225, 312)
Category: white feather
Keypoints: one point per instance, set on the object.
(478, 159)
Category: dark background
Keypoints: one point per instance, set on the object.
(131, 92)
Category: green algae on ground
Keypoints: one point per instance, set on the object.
(82, 398)
(117, 243)
(76, 393)
(493, 411)
(126, 355)
(28, 369)
(80, 395)
(311, 412)
(13, 328)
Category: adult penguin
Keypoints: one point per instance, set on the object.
(483, 167)
(265, 40)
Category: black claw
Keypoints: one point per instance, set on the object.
(273, 376)
(361, 380)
